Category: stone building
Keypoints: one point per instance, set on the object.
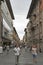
(6, 21)
(25, 36)
(1, 19)
(29, 34)
(35, 14)
(15, 36)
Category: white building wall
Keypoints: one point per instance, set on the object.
(7, 20)
(6, 14)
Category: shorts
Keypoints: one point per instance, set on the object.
(34, 56)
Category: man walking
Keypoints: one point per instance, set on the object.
(17, 53)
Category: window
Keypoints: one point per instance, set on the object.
(40, 23)
(34, 16)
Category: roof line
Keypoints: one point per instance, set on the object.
(10, 8)
(32, 6)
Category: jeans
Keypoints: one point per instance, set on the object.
(16, 59)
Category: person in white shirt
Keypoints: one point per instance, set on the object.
(7, 49)
(17, 53)
(34, 53)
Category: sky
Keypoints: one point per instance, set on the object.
(20, 10)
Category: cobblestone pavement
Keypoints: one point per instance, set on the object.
(25, 58)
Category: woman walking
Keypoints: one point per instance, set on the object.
(34, 53)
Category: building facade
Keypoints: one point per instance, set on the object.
(1, 20)
(35, 15)
(7, 23)
(16, 37)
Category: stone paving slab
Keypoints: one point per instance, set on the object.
(28, 64)
(25, 58)
(25, 64)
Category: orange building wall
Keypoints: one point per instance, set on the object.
(41, 5)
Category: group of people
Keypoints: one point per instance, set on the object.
(6, 48)
(17, 53)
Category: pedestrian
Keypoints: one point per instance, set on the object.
(34, 53)
(25, 48)
(40, 50)
(7, 49)
(30, 48)
(17, 53)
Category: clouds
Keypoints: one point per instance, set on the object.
(20, 24)
(20, 10)
(20, 6)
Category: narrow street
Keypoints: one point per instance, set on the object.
(21, 27)
(25, 58)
